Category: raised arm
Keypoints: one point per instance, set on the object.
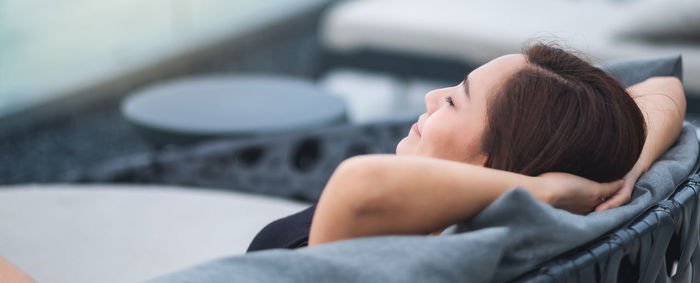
(382, 194)
(386, 194)
(662, 102)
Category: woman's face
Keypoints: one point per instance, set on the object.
(455, 117)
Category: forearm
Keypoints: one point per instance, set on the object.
(662, 102)
(384, 194)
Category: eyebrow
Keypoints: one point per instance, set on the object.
(466, 86)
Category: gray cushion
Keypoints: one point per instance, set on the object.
(632, 71)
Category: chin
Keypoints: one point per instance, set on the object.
(401, 147)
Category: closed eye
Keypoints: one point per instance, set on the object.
(448, 99)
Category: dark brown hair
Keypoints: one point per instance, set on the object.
(561, 114)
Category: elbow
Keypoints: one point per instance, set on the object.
(672, 88)
(677, 94)
(680, 96)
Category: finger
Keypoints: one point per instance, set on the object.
(610, 188)
(613, 202)
(620, 198)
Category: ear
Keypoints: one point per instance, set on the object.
(479, 159)
(483, 159)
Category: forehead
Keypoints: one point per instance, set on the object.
(497, 71)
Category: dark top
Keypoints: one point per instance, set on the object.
(290, 232)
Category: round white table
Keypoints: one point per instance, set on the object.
(117, 233)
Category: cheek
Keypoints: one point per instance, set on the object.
(459, 141)
(442, 140)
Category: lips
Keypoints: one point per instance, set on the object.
(415, 129)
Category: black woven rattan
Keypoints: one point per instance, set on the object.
(293, 166)
(661, 245)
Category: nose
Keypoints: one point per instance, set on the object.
(429, 102)
(432, 101)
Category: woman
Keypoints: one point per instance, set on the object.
(506, 125)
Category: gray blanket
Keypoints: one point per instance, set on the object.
(513, 235)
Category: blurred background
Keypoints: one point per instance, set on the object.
(99, 84)
(65, 66)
